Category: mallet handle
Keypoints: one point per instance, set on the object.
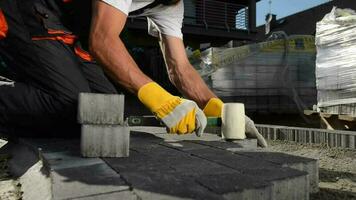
(152, 121)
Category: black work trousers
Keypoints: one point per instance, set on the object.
(49, 74)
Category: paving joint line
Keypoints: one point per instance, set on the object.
(193, 155)
(121, 177)
(215, 147)
(98, 194)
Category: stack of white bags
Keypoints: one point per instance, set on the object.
(336, 61)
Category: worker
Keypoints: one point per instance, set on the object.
(54, 75)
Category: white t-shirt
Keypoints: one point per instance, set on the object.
(161, 19)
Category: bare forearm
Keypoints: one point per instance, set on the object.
(117, 62)
(108, 49)
(190, 84)
(181, 72)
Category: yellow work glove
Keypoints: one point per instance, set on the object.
(181, 116)
(213, 109)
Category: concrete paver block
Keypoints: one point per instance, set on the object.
(185, 145)
(124, 195)
(85, 181)
(307, 165)
(166, 168)
(237, 186)
(105, 141)
(182, 162)
(101, 108)
(157, 185)
(222, 144)
(68, 159)
(230, 159)
(286, 183)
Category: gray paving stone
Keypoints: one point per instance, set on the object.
(157, 185)
(286, 183)
(199, 167)
(222, 144)
(148, 195)
(105, 141)
(276, 157)
(308, 165)
(204, 137)
(166, 168)
(137, 163)
(139, 138)
(245, 165)
(183, 164)
(159, 151)
(68, 159)
(124, 195)
(101, 109)
(233, 183)
(85, 181)
(186, 142)
(253, 193)
(185, 145)
(260, 184)
(229, 159)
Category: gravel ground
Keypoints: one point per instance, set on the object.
(9, 187)
(337, 168)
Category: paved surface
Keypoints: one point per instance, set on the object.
(162, 166)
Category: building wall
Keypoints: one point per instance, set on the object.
(304, 23)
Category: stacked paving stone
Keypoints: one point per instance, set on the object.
(332, 138)
(276, 76)
(104, 132)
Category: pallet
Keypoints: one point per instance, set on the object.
(333, 121)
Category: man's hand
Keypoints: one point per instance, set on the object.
(180, 116)
(213, 109)
(186, 117)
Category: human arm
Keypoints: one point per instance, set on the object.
(188, 82)
(181, 73)
(179, 115)
(109, 50)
